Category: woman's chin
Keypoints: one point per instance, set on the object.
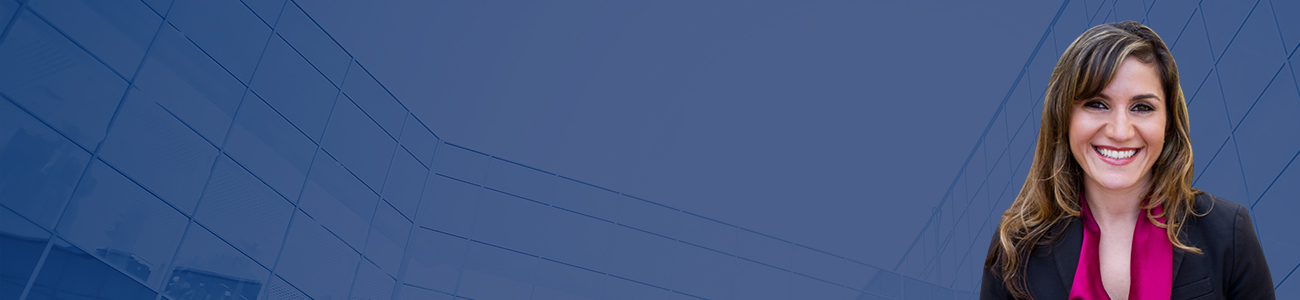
(1117, 183)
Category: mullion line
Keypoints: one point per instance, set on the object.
(1231, 135)
(460, 274)
(1291, 67)
(986, 175)
(992, 209)
(1002, 194)
(1288, 275)
(410, 233)
(993, 206)
(1205, 25)
(94, 155)
(1004, 153)
(1234, 128)
(1293, 157)
(87, 50)
(1278, 25)
(1185, 24)
(665, 236)
(1252, 105)
(1234, 35)
(297, 210)
(992, 120)
(630, 196)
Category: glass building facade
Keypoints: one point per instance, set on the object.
(225, 149)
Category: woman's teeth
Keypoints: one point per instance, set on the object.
(1116, 154)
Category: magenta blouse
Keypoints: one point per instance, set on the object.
(1151, 269)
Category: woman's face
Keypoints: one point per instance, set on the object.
(1117, 136)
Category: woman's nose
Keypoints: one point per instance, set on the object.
(1119, 128)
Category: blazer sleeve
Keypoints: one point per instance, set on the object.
(1249, 277)
(991, 286)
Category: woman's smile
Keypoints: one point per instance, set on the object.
(1116, 155)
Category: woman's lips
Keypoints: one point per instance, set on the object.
(1108, 154)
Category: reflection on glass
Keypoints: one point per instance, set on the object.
(21, 244)
(38, 168)
(70, 273)
(123, 224)
(130, 263)
(199, 284)
(209, 268)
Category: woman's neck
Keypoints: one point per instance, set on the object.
(1115, 206)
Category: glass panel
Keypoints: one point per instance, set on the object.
(294, 88)
(461, 163)
(755, 281)
(436, 261)
(268, 10)
(189, 84)
(209, 268)
(703, 273)
(708, 233)
(117, 32)
(38, 167)
(578, 240)
(511, 222)
(281, 290)
(372, 284)
(449, 206)
(571, 281)
(122, 224)
(21, 245)
(357, 142)
(495, 273)
(313, 43)
(417, 139)
(270, 147)
(339, 201)
(316, 261)
(149, 144)
(641, 256)
(244, 212)
(57, 81)
(70, 273)
(387, 240)
(405, 182)
(521, 180)
(227, 30)
(374, 99)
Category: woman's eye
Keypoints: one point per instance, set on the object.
(1143, 108)
(1094, 104)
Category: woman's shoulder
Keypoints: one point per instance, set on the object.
(1210, 208)
(1216, 218)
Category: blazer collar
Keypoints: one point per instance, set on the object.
(1066, 251)
(1069, 242)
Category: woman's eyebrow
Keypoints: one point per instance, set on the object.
(1145, 96)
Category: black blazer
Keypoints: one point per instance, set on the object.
(1231, 265)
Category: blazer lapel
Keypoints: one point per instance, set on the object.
(1178, 261)
(1066, 252)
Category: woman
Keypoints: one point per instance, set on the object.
(1108, 211)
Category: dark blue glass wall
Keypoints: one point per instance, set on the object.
(224, 149)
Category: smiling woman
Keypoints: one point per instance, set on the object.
(1108, 211)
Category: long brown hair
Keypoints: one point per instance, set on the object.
(1050, 195)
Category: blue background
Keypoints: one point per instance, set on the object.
(323, 149)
